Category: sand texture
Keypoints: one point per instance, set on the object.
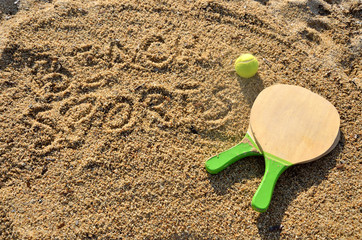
(109, 110)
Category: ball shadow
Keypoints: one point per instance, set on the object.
(250, 87)
(293, 181)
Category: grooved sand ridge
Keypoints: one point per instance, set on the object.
(109, 109)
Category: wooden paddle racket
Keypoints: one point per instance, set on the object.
(289, 125)
(292, 125)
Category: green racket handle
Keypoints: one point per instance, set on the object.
(274, 167)
(246, 148)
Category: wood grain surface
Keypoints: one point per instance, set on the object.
(294, 123)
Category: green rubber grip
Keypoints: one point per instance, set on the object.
(274, 167)
(246, 148)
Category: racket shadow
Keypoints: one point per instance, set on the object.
(291, 183)
(251, 88)
(238, 172)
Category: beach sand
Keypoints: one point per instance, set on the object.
(109, 110)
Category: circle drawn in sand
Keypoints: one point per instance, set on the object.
(119, 116)
(78, 112)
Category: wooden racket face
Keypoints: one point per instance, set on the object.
(293, 123)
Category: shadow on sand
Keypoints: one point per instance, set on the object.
(251, 88)
(247, 168)
(291, 183)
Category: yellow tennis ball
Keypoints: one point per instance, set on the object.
(246, 65)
